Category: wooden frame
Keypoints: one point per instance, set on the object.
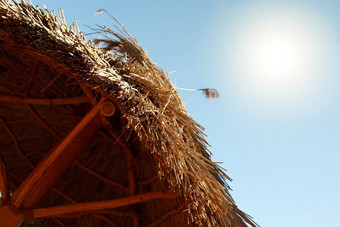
(41, 101)
(56, 161)
(42, 178)
(98, 206)
(5, 196)
(14, 209)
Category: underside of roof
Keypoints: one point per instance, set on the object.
(142, 161)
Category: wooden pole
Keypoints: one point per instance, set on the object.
(93, 173)
(16, 142)
(148, 181)
(97, 206)
(41, 101)
(99, 216)
(132, 184)
(100, 212)
(5, 197)
(48, 171)
(167, 215)
(129, 156)
(10, 218)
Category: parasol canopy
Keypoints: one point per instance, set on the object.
(93, 133)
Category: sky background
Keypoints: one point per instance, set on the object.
(275, 130)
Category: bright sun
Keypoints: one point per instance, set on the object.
(276, 62)
(275, 57)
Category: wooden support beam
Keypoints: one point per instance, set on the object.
(132, 184)
(97, 175)
(108, 125)
(102, 217)
(98, 206)
(5, 197)
(16, 143)
(109, 212)
(31, 76)
(40, 101)
(9, 217)
(81, 166)
(148, 181)
(55, 134)
(56, 161)
(131, 163)
(59, 222)
(131, 175)
(117, 212)
(39, 118)
(167, 215)
(29, 108)
(17, 212)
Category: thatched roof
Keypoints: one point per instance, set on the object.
(51, 76)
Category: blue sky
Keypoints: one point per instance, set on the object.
(277, 133)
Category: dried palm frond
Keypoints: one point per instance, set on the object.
(210, 93)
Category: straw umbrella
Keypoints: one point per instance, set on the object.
(94, 134)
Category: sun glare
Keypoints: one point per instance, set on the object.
(276, 57)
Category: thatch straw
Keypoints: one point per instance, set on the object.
(167, 147)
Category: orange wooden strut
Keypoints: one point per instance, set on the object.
(86, 208)
(3, 184)
(48, 171)
(9, 217)
(56, 161)
(42, 101)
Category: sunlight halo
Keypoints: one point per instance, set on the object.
(277, 59)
